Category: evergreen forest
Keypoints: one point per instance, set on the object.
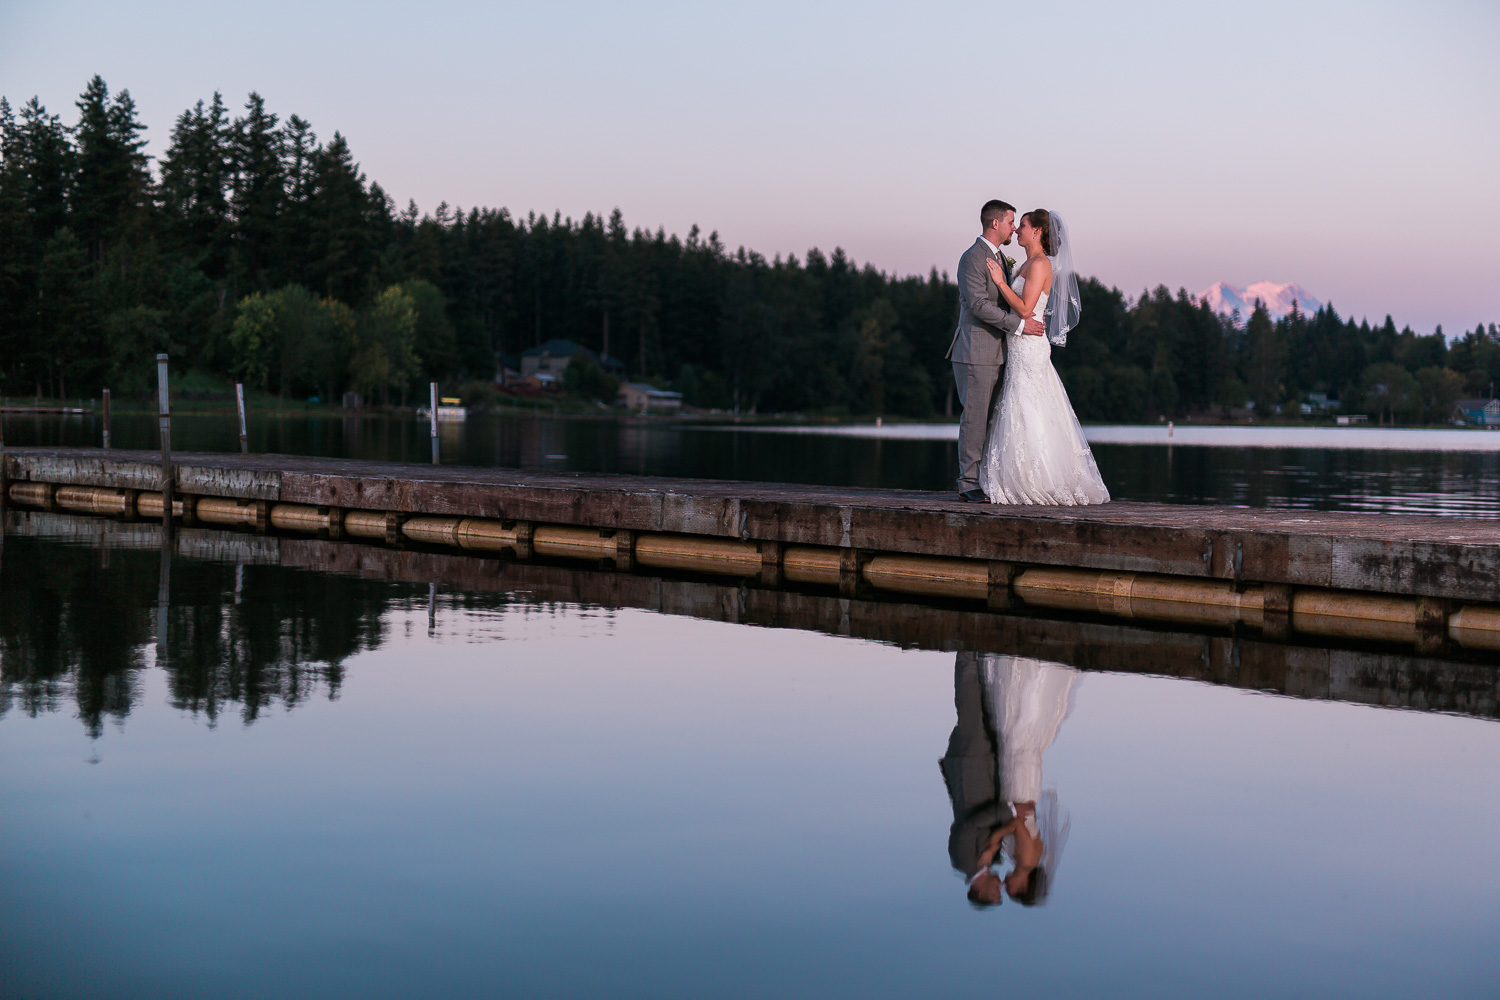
(251, 248)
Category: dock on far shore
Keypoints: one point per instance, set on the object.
(1429, 582)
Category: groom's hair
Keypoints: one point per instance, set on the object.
(993, 211)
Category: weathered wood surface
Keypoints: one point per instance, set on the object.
(1350, 675)
(1447, 557)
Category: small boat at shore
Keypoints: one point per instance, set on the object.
(450, 411)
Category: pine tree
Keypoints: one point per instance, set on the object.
(111, 183)
(1265, 360)
(43, 169)
(299, 152)
(64, 347)
(341, 255)
(258, 191)
(195, 187)
(15, 241)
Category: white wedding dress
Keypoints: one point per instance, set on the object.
(1029, 699)
(1036, 452)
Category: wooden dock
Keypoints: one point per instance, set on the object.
(1423, 581)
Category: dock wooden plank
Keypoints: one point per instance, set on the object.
(1450, 557)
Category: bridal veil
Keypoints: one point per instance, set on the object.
(1064, 305)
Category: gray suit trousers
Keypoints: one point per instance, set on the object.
(978, 386)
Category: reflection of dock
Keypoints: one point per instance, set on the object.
(1424, 581)
(1243, 661)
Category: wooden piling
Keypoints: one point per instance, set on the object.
(433, 419)
(239, 402)
(164, 416)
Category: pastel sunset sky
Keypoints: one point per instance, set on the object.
(1351, 147)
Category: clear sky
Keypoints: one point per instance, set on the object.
(1352, 147)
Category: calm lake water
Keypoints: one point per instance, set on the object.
(1392, 471)
(264, 781)
(221, 775)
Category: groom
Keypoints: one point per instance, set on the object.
(971, 770)
(978, 348)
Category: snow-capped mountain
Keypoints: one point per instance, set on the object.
(1224, 298)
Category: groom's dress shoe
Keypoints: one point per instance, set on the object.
(975, 495)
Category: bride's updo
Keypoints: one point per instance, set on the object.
(1041, 220)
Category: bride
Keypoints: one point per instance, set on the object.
(1036, 452)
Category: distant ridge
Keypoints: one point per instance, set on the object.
(1224, 298)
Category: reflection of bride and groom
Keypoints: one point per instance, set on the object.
(1009, 711)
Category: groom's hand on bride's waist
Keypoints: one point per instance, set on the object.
(1033, 326)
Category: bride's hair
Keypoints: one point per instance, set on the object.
(1037, 884)
(1041, 220)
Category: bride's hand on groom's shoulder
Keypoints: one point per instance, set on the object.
(996, 271)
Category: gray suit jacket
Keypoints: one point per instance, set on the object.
(983, 317)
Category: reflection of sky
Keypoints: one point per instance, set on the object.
(1345, 145)
(631, 804)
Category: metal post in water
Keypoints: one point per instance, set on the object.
(164, 415)
(106, 418)
(239, 399)
(431, 608)
(433, 415)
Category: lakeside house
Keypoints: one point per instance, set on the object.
(537, 382)
(639, 397)
(1319, 402)
(554, 356)
(1479, 412)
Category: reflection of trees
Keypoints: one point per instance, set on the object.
(289, 635)
(66, 623)
(69, 626)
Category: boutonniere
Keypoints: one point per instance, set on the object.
(1010, 263)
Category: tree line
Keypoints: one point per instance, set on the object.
(253, 249)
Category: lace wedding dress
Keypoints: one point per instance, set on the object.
(1029, 699)
(1036, 452)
